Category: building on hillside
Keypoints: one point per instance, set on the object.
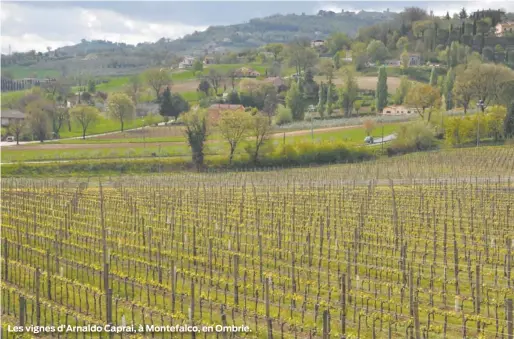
(215, 110)
(414, 59)
(245, 72)
(209, 60)
(10, 115)
(397, 110)
(278, 82)
(393, 63)
(504, 27)
(187, 62)
(317, 43)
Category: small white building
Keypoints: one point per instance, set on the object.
(397, 110)
(317, 43)
(187, 62)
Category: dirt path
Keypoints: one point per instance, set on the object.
(43, 146)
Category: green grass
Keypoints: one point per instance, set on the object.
(19, 72)
(9, 98)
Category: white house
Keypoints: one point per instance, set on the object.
(317, 43)
(397, 110)
(186, 63)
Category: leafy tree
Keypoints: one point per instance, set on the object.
(369, 126)
(157, 79)
(337, 41)
(283, 116)
(402, 44)
(233, 126)
(357, 105)
(508, 124)
(204, 86)
(337, 60)
(120, 107)
(260, 129)
(488, 54)
(17, 128)
(377, 51)
(58, 116)
(214, 78)
(196, 130)
(359, 55)
(197, 67)
(275, 49)
(462, 91)
(270, 101)
(381, 92)
(134, 87)
(295, 102)
(38, 119)
(463, 14)
(233, 98)
(422, 97)
(85, 116)
(301, 56)
(91, 86)
(402, 90)
(327, 68)
(404, 60)
(349, 93)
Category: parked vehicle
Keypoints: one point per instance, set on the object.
(9, 138)
(368, 140)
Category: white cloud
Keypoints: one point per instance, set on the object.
(26, 27)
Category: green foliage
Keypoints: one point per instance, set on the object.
(295, 102)
(448, 89)
(321, 99)
(402, 90)
(283, 116)
(172, 105)
(433, 77)
(121, 108)
(381, 92)
(377, 51)
(413, 137)
(509, 121)
(349, 93)
(196, 122)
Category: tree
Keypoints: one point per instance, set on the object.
(197, 66)
(349, 93)
(294, 101)
(337, 41)
(329, 109)
(17, 127)
(402, 90)
(233, 126)
(204, 86)
(448, 89)
(121, 108)
(214, 78)
(270, 101)
(196, 130)
(402, 44)
(404, 60)
(85, 116)
(327, 68)
(38, 120)
(508, 124)
(157, 79)
(369, 126)
(58, 116)
(381, 92)
(260, 129)
(488, 54)
(178, 105)
(91, 86)
(422, 97)
(377, 51)
(462, 92)
(232, 75)
(433, 77)
(274, 49)
(301, 56)
(463, 14)
(359, 55)
(357, 106)
(134, 87)
(321, 99)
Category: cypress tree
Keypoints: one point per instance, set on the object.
(381, 92)
(321, 99)
(166, 105)
(329, 100)
(433, 77)
(508, 123)
(448, 88)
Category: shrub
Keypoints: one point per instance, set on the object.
(283, 116)
(416, 136)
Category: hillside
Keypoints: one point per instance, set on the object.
(110, 58)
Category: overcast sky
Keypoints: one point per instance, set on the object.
(36, 24)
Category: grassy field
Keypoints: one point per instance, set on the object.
(124, 145)
(19, 72)
(288, 252)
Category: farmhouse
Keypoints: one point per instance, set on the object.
(215, 110)
(317, 43)
(504, 27)
(397, 110)
(187, 62)
(10, 116)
